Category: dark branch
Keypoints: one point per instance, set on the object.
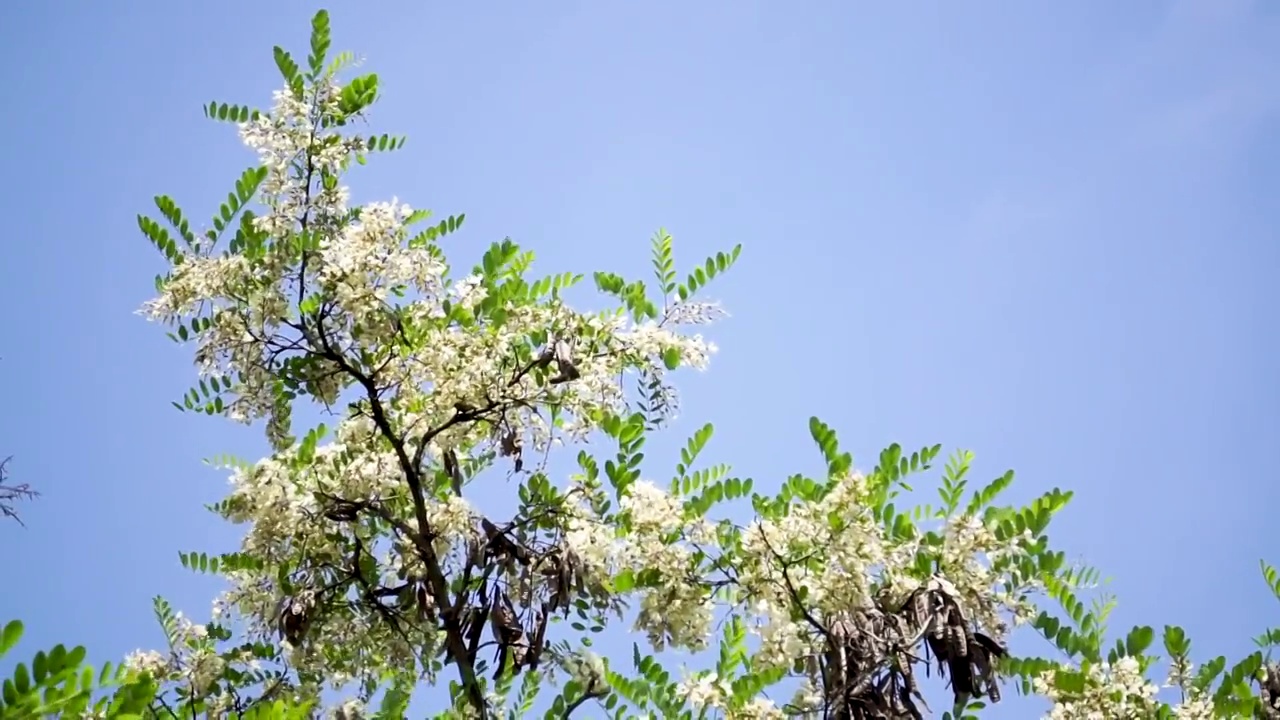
(11, 494)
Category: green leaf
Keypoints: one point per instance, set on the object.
(171, 212)
(1139, 640)
(624, 582)
(671, 358)
(319, 42)
(22, 679)
(160, 238)
(1175, 641)
(76, 656)
(1272, 577)
(10, 636)
(288, 68)
(229, 113)
(40, 667)
(837, 462)
(984, 497)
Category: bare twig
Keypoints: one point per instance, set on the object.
(10, 494)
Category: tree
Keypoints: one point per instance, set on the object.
(370, 566)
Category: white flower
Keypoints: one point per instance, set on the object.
(470, 291)
(704, 690)
(148, 661)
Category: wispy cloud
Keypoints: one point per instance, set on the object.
(1202, 79)
(1186, 97)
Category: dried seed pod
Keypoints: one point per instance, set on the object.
(453, 471)
(513, 447)
(501, 545)
(293, 620)
(343, 513)
(538, 643)
(506, 626)
(563, 353)
(426, 604)
(477, 617)
(509, 635)
(475, 552)
(1269, 691)
(525, 587)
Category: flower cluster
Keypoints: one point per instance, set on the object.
(706, 691)
(193, 660)
(679, 610)
(1118, 691)
(834, 554)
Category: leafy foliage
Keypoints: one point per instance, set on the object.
(60, 682)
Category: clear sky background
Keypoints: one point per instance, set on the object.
(1045, 231)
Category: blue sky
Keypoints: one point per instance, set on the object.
(1042, 231)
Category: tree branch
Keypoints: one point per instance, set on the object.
(9, 494)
